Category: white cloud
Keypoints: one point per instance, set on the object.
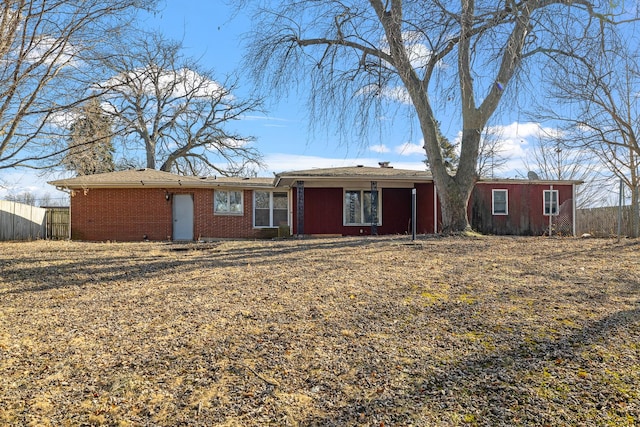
(229, 142)
(522, 130)
(63, 119)
(515, 140)
(398, 93)
(191, 80)
(419, 53)
(381, 148)
(51, 51)
(419, 166)
(409, 149)
(279, 162)
(416, 46)
(180, 83)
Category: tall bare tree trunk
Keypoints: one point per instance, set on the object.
(151, 154)
(456, 191)
(360, 55)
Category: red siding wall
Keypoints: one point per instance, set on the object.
(323, 212)
(424, 208)
(131, 214)
(396, 211)
(525, 210)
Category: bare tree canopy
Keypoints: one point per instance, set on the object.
(549, 159)
(600, 89)
(46, 51)
(174, 112)
(438, 57)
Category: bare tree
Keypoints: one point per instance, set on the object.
(601, 90)
(174, 112)
(26, 198)
(46, 53)
(491, 157)
(358, 54)
(550, 159)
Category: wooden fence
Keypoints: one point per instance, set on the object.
(25, 222)
(603, 222)
(21, 222)
(57, 223)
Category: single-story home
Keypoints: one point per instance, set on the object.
(148, 204)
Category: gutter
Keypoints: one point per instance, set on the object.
(351, 178)
(68, 191)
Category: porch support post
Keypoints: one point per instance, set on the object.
(374, 208)
(299, 208)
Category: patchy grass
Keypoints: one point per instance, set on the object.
(349, 331)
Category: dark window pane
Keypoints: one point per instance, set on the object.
(279, 217)
(366, 202)
(352, 210)
(500, 202)
(262, 217)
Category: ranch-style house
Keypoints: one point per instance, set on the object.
(148, 204)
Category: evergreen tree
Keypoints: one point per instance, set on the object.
(90, 148)
(448, 150)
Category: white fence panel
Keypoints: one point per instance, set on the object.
(21, 222)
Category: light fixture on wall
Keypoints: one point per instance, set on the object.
(167, 196)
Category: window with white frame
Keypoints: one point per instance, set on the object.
(357, 207)
(500, 202)
(227, 202)
(270, 208)
(551, 202)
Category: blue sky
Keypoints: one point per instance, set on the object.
(212, 35)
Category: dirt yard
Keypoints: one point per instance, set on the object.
(321, 332)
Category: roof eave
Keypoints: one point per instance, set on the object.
(287, 180)
(165, 185)
(529, 181)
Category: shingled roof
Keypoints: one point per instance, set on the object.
(136, 178)
(355, 173)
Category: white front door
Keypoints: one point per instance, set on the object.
(182, 217)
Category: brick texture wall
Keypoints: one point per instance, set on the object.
(135, 214)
